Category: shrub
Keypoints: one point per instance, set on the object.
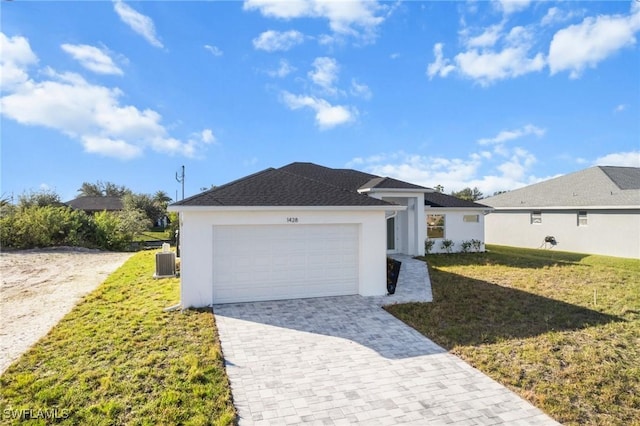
(428, 245)
(477, 245)
(446, 245)
(43, 226)
(465, 246)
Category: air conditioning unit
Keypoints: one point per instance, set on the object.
(165, 265)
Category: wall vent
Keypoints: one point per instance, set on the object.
(165, 265)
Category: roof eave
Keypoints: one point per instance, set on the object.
(400, 190)
(596, 207)
(181, 208)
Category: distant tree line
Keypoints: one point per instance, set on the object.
(41, 219)
(470, 194)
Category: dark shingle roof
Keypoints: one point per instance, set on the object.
(437, 199)
(299, 184)
(277, 187)
(623, 177)
(348, 179)
(96, 204)
(599, 186)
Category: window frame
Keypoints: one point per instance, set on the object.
(536, 217)
(583, 218)
(443, 226)
(476, 218)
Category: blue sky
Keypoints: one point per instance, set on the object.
(493, 94)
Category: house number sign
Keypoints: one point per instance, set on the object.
(292, 220)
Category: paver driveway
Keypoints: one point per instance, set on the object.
(344, 360)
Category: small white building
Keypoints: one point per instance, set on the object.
(305, 230)
(593, 211)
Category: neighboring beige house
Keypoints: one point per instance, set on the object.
(594, 211)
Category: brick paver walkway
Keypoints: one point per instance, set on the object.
(344, 360)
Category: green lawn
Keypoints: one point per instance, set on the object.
(560, 329)
(152, 236)
(118, 358)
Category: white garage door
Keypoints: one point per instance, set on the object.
(269, 262)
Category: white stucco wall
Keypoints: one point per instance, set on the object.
(456, 229)
(608, 232)
(196, 245)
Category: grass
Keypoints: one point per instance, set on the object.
(118, 358)
(152, 236)
(560, 329)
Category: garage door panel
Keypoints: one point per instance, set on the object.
(260, 262)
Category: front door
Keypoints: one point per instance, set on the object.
(391, 235)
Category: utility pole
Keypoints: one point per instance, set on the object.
(180, 179)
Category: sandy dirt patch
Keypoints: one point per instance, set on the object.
(39, 287)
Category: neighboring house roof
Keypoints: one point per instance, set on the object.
(296, 184)
(96, 204)
(438, 199)
(599, 186)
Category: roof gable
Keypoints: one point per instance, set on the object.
(590, 187)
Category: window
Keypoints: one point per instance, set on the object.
(582, 218)
(536, 216)
(471, 218)
(435, 226)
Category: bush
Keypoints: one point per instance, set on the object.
(446, 245)
(115, 230)
(465, 246)
(44, 226)
(428, 245)
(477, 245)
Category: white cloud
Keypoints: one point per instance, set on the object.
(586, 44)
(207, 136)
(508, 135)
(116, 148)
(215, 50)
(92, 58)
(454, 174)
(327, 115)
(513, 6)
(283, 70)
(325, 73)
(440, 66)
(272, 41)
(620, 108)
(487, 66)
(360, 90)
(487, 38)
(15, 57)
(555, 15)
(355, 17)
(138, 22)
(624, 159)
(91, 114)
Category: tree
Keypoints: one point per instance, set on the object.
(41, 198)
(144, 203)
(103, 189)
(162, 199)
(468, 194)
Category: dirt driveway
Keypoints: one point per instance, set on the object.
(39, 287)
